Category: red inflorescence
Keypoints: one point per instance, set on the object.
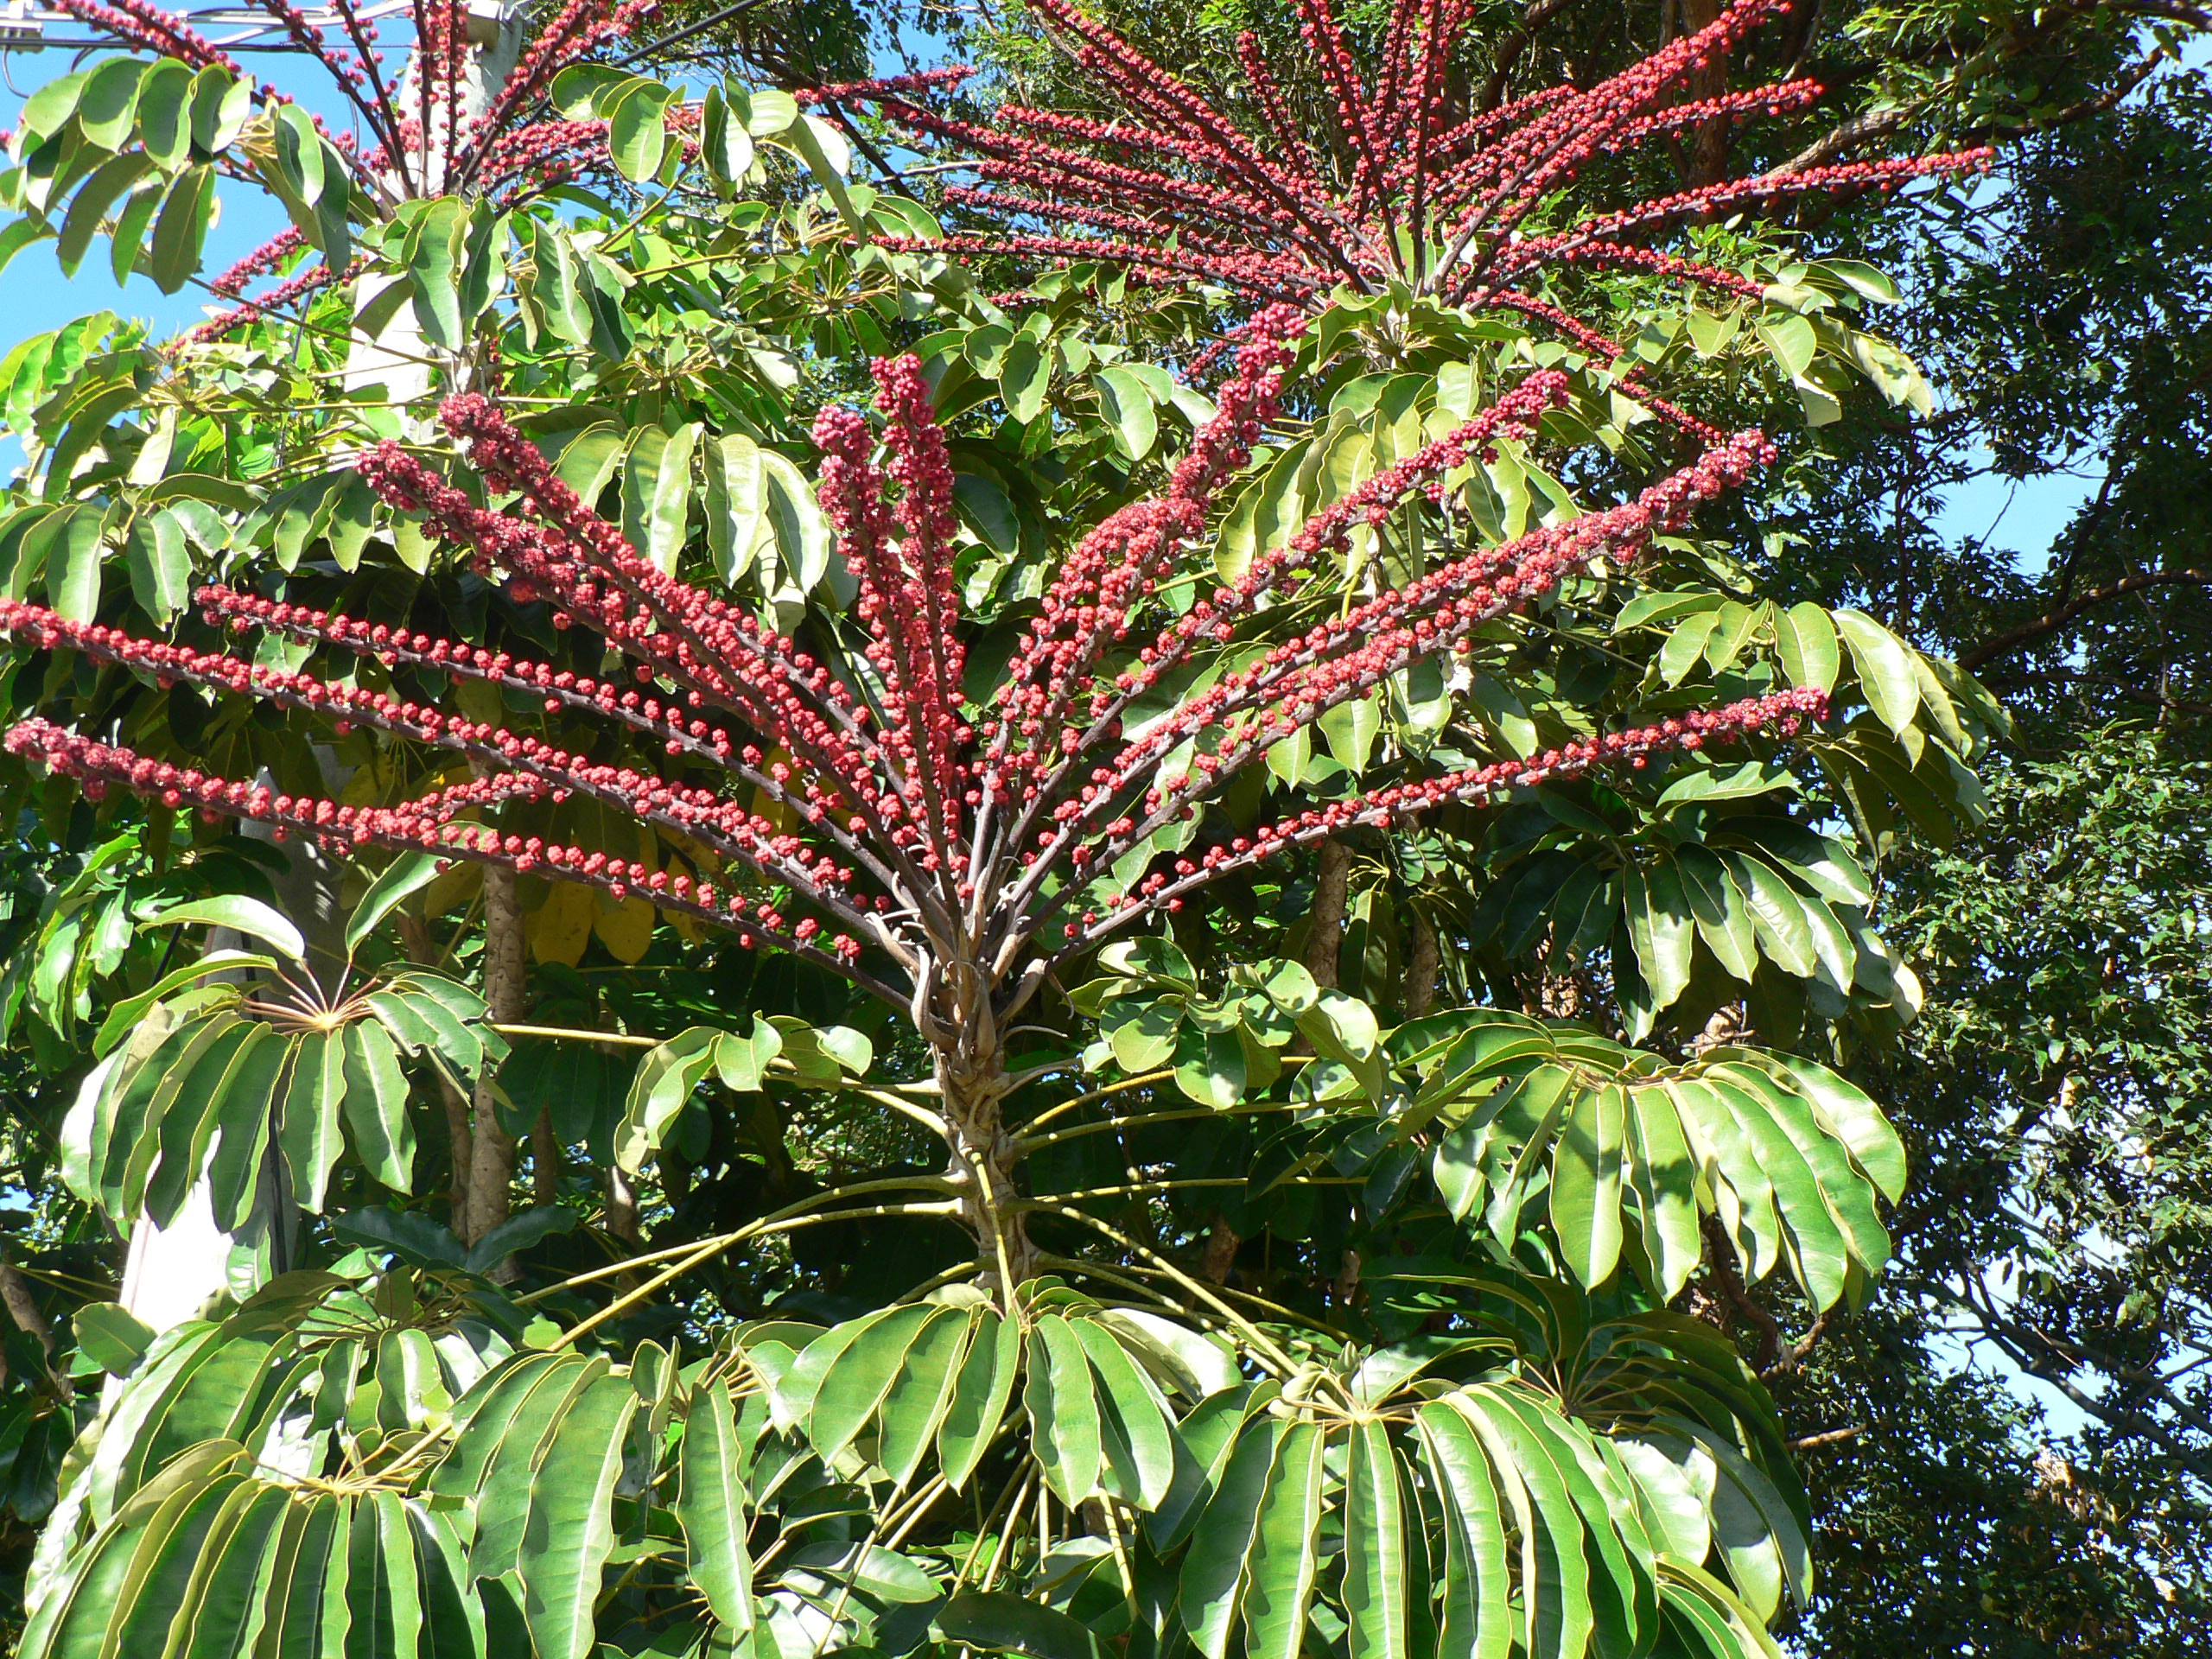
(1398, 187)
(891, 810)
(419, 140)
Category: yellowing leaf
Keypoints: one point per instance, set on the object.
(561, 925)
(626, 929)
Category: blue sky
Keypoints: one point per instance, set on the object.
(2025, 516)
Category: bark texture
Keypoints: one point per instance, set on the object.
(1324, 937)
(492, 1149)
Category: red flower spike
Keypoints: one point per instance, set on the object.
(415, 132)
(884, 833)
(1396, 189)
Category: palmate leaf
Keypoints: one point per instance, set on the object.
(1561, 1487)
(1620, 1156)
(185, 1526)
(209, 1558)
(1480, 1516)
(1476, 1520)
(209, 1094)
(1095, 1386)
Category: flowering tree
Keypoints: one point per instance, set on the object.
(950, 858)
(136, 147)
(441, 252)
(971, 858)
(1000, 798)
(1399, 183)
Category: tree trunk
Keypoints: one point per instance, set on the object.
(621, 1207)
(1709, 154)
(1423, 959)
(1217, 1256)
(492, 1150)
(544, 1161)
(972, 1082)
(1324, 937)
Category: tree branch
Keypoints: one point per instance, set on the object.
(1720, 1268)
(1829, 1437)
(2043, 1360)
(1875, 124)
(2051, 621)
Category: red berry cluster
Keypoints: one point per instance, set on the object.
(887, 809)
(1394, 189)
(164, 33)
(1780, 714)
(419, 140)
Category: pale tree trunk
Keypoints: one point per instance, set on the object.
(971, 1080)
(396, 357)
(175, 1272)
(492, 1149)
(621, 1206)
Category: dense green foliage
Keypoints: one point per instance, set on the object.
(1388, 1121)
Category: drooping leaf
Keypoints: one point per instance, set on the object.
(1377, 1590)
(181, 228)
(570, 1531)
(1477, 1620)
(1139, 1444)
(1586, 1200)
(981, 1393)
(408, 874)
(1063, 1426)
(1885, 671)
(712, 1507)
(861, 1373)
(1213, 1567)
(1283, 1562)
(376, 1104)
(994, 1621)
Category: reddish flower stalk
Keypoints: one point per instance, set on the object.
(1402, 187)
(506, 151)
(165, 34)
(914, 829)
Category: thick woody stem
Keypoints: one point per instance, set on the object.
(458, 1109)
(1332, 889)
(1423, 960)
(1217, 1256)
(544, 1161)
(1721, 1269)
(984, 1156)
(492, 1161)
